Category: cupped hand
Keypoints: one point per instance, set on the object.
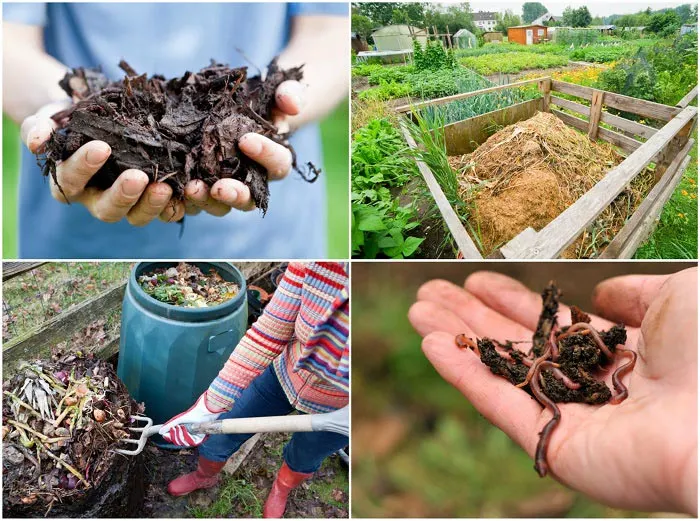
(640, 454)
(227, 194)
(131, 196)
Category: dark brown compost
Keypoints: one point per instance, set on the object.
(174, 130)
(564, 364)
(62, 418)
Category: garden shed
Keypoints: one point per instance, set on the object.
(464, 39)
(527, 34)
(398, 37)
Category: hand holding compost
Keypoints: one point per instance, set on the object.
(186, 285)
(561, 364)
(176, 130)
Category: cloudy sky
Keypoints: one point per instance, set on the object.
(596, 7)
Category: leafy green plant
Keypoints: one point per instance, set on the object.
(434, 57)
(570, 36)
(602, 53)
(380, 224)
(397, 74)
(512, 62)
(366, 69)
(385, 91)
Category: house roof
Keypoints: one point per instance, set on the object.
(546, 17)
(526, 25)
(483, 16)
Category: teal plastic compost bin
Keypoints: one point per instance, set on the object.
(168, 355)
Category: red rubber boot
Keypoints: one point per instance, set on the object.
(286, 481)
(206, 476)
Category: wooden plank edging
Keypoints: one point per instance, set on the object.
(454, 224)
(11, 270)
(629, 236)
(558, 234)
(465, 95)
(688, 98)
(37, 342)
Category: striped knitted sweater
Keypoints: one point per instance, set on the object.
(303, 332)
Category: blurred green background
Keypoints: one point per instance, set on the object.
(336, 169)
(419, 448)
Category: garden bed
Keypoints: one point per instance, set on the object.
(665, 149)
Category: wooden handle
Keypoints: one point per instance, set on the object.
(291, 423)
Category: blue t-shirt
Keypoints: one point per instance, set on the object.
(169, 39)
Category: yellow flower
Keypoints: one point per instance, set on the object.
(684, 192)
(681, 215)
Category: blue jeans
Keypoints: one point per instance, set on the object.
(264, 397)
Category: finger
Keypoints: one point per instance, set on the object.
(276, 158)
(428, 317)
(174, 211)
(626, 299)
(234, 194)
(75, 172)
(153, 201)
(199, 195)
(290, 97)
(504, 405)
(484, 321)
(113, 204)
(514, 300)
(36, 131)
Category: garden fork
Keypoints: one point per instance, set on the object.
(336, 421)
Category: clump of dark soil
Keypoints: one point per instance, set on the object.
(62, 418)
(564, 364)
(175, 130)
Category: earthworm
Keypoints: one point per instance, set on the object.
(546, 432)
(594, 334)
(619, 373)
(565, 379)
(535, 364)
(464, 342)
(553, 343)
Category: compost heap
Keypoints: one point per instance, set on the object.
(62, 418)
(528, 173)
(564, 364)
(186, 285)
(174, 130)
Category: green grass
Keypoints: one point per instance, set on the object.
(676, 236)
(34, 297)
(325, 490)
(512, 62)
(232, 492)
(335, 137)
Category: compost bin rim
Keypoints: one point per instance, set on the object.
(187, 314)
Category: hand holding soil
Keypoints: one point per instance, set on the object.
(639, 454)
(134, 197)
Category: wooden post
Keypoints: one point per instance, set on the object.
(545, 86)
(596, 109)
(449, 37)
(679, 141)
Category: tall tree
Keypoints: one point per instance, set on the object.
(506, 20)
(665, 23)
(532, 10)
(582, 17)
(361, 25)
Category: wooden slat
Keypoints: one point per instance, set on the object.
(594, 118)
(559, 233)
(648, 109)
(37, 342)
(630, 235)
(11, 270)
(519, 243)
(627, 144)
(465, 95)
(467, 135)
(454, 224)
(688, 98)
(579, 108)
(625, 124)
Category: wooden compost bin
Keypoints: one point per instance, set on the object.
(667, 147)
